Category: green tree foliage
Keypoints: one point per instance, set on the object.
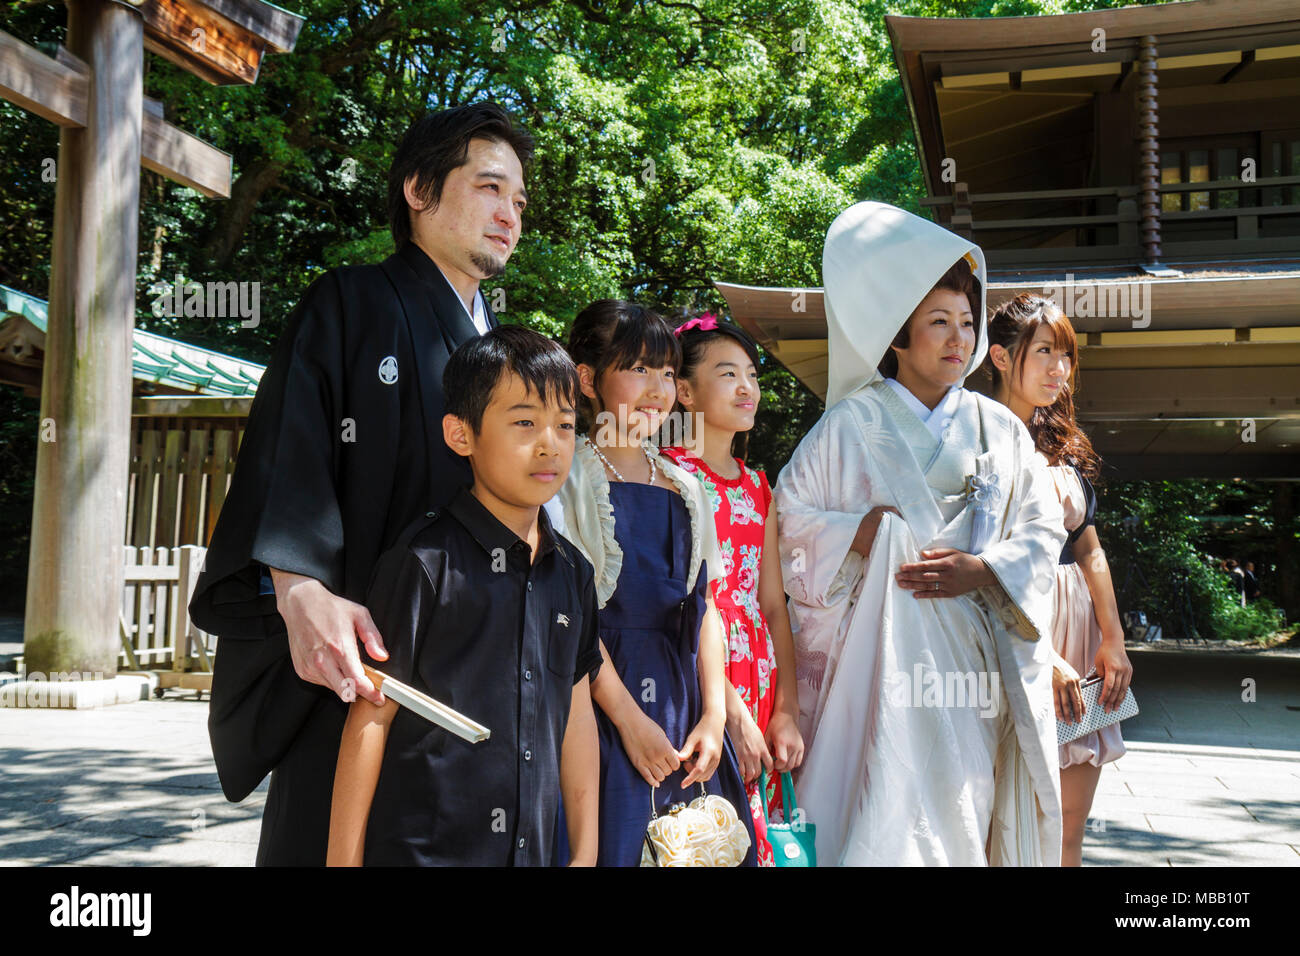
(18, 437)
(1166, 541)
(679, 142)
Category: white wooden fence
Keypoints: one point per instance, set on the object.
(155, 625)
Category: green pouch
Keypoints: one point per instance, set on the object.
(794, 842)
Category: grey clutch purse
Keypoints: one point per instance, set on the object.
(1095, 717)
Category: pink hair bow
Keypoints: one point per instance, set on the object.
(704, 323)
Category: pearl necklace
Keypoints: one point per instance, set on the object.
(649, 457)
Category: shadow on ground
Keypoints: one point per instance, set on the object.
(61, 806)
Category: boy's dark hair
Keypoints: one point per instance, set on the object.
(959, 278)
(695, 341)
(436, 144)
(476, 368)
(614, 334)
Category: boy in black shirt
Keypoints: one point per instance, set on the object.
(485, 608)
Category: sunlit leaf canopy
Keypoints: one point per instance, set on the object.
(678, 142)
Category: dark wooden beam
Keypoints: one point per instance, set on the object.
(993, 33)
(1139, 467)
(23, 376)
(1170, 393)
(190, 406)
(1247, 58)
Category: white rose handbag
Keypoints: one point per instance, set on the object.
(705, 832)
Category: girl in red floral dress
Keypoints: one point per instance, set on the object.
(718, 382)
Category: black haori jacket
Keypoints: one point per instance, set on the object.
(342, 450)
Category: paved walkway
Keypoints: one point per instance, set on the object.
(127, 785)
(1208, 779)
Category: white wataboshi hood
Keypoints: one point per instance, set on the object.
(878, 263)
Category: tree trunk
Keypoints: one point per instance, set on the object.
(1284, 540)
(253, 183)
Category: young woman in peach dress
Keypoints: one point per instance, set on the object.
(1033, 357)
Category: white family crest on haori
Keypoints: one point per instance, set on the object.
(388, 370)
(886, 781)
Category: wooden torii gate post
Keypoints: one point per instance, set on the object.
(94, 90)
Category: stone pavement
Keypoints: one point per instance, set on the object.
(132, 784)
(1208, 779)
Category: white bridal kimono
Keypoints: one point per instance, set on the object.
(929, 721)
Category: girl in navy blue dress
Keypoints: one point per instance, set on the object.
(648, 531)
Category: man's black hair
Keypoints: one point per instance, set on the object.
(436, 144)
(477, 366)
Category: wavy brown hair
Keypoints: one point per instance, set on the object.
(1054, 428)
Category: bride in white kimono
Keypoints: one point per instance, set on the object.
(924, 671)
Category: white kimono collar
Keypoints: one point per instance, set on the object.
(942, 413)
(478, 316)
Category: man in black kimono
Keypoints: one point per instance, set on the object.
(343, 449)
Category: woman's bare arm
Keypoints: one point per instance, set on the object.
(1112, 661)
(645, 742)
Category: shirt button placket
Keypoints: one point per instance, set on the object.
(527, 705)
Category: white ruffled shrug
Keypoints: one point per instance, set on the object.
(589, 519)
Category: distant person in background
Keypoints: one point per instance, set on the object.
(1251, 582)
(1033, 356)
(1238, 579)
